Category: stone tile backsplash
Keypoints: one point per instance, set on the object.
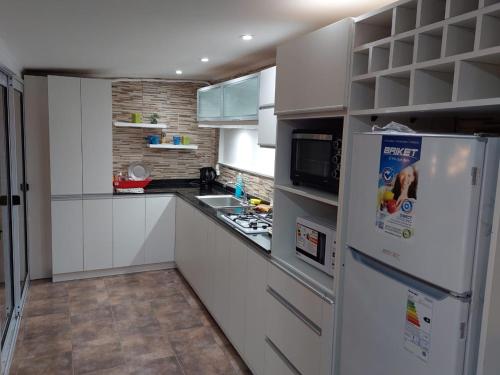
(258, 186)
(175, 102)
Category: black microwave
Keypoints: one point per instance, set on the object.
(316, 158)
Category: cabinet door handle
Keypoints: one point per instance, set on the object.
(285, 360)
(287, 305)
(3, 200)
(16, 200)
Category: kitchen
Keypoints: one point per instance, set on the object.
(261, 203)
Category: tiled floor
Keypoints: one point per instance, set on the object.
(145, 323)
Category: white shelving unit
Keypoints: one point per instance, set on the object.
(418, 55)
(169, 146)
(120, 124)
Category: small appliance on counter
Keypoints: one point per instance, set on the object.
(207, 176)
(316, 157)
(316, 242)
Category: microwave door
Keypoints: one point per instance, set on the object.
(312, 157)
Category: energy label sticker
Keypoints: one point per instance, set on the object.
(397, 185)
(417, 333)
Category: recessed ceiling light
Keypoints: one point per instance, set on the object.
(178, 72)
(247, 37)
(204, 59)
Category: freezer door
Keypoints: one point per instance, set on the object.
(393, 324)
(426, 226)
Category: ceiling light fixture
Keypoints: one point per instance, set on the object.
(247, 37)
(178, 72)
(204, 59)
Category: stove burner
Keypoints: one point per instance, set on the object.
(249, 222)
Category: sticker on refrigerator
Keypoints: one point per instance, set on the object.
(417, 333)
(397, 185)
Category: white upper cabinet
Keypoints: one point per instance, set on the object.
(312, 71)
(65, 132)
(97, 136)
(210, 103)
(80, 136)
(160, 229)
(267, 87)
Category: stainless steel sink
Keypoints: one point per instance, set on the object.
(221, 201)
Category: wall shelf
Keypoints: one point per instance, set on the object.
(120, 124)
(169, 146)
(311, 193)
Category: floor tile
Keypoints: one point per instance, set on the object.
(94, 357)
(56, 364)
(85, 332)
(164, 366)
(47, 306)
(209, 360)
(191, 340)
(148, 346)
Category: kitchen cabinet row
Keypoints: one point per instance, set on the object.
(104, 233)
(276, 324)
(80, 134)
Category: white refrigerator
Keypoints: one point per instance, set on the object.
(419, 221)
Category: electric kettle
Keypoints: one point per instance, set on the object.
(207, 176)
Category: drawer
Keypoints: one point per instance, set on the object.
(302, 298)
(295, 336)
(276, 363)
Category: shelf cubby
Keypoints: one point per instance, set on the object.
(406, 17)
(458, 7)
(360, 62)
(433, 85)
(432, 11)
(460, 37)
(380, 58)
(429, 45)
(363, 94)
(478, 80)
(393, 90)
(490, 30)
(402, 53)
(373, 28)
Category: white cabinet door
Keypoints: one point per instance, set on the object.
(65, 133)
(276, 363)
(183, 228)
(221, 277)
(266, 86)
(237, 292)
(67, 236)
(267, 127)
(97, 142)
(208, 262)
(129, 218)
(97, 234)
(312, 70)
(160, 229)
(255, 316)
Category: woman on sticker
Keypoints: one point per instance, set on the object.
(405, 186)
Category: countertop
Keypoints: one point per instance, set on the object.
(188, 190)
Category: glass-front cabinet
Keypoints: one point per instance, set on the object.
(210, 103)
(241, 98)
(234, 100)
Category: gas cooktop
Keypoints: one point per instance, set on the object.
(250, 222)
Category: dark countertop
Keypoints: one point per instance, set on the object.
(189, 189)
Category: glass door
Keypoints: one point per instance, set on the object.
(6, 285)
(19, 188)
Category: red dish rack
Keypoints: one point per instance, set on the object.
(130, 184)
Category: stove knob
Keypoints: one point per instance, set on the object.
(338, 144)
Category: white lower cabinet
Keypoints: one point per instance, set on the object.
(237, 292)
(129, 218)
(67, 236)
(275, 363)
(183, 221)
(97, 234)
(221, 277)
(160, 229)
(255, 315)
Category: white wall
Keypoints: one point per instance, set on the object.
(239, 149)
(7, 59)
(38, 176)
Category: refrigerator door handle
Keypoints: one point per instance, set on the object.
(403, 278)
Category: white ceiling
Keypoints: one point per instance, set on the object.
(153, 38)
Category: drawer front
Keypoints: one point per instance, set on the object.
(296, 337)
(276, 363)
(306, 301)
